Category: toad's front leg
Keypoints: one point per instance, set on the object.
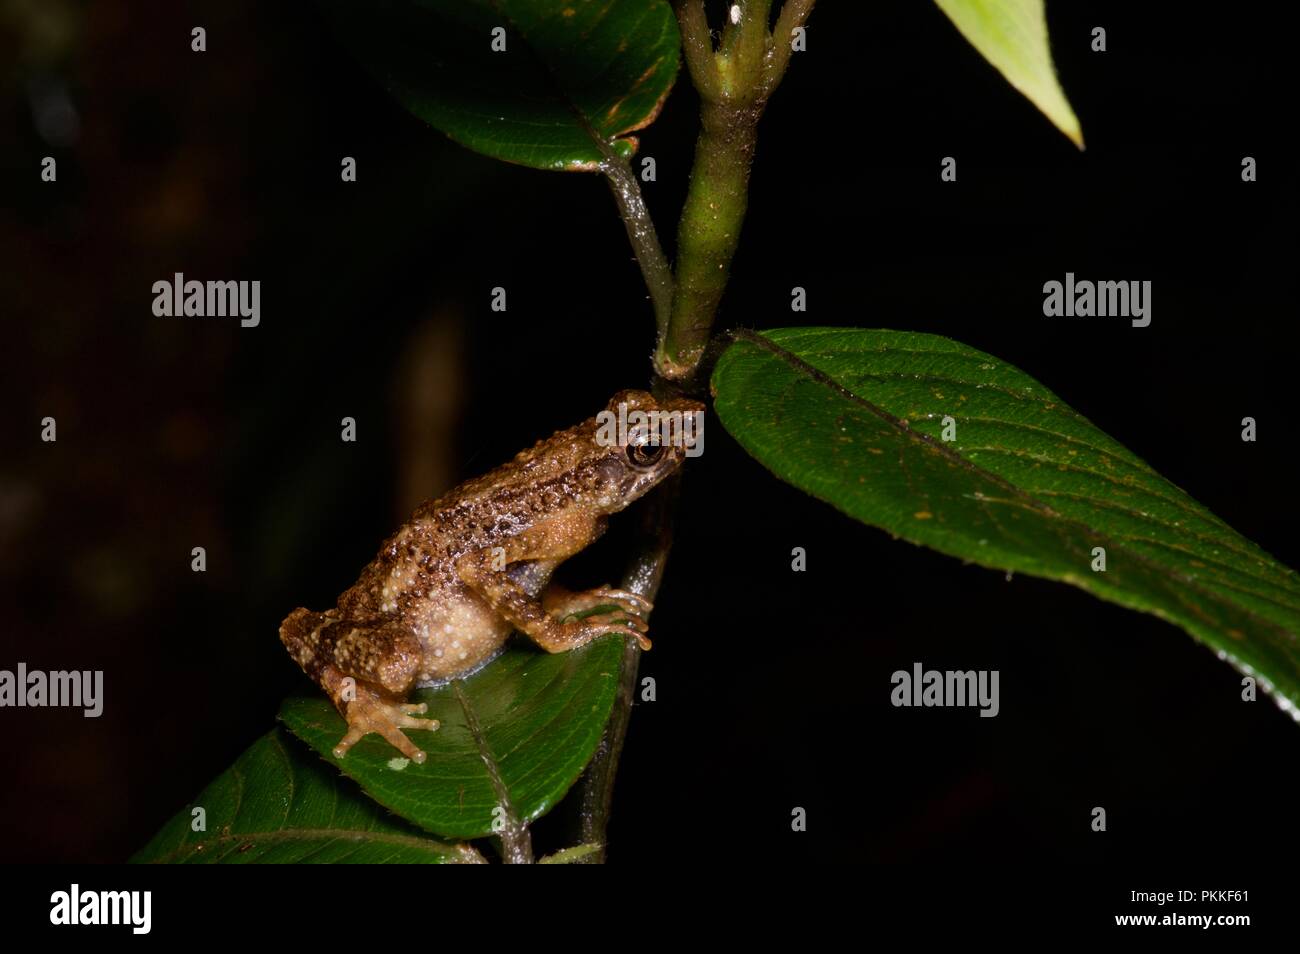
(562, 603)
(366, 667)
(550, 542)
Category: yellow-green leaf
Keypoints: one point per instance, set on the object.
(1012, 35)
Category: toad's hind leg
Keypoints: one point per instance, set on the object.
(368, 710)
(366, 667)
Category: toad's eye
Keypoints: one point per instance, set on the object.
(644, 455)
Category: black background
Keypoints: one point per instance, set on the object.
(772, 692)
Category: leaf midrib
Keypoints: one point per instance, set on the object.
(493, 769)
(1231, 544)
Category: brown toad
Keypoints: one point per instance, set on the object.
(447, 589)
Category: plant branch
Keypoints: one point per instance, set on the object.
(749, 68)
(734, 84)
(643, 577)
(641, 233)
(793, 14)
(697, 48)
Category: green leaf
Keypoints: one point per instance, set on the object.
(576, 76)
(1012, 36)
(279, 803)
(516, 735)
(856, 418)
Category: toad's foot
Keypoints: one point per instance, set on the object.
(629, 602)
(370, 712)
(602, 623)
(631, 607)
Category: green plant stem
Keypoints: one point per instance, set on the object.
(708, 233)
(734, 84)
(793, 14)
(641, 233)
(697, 48)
